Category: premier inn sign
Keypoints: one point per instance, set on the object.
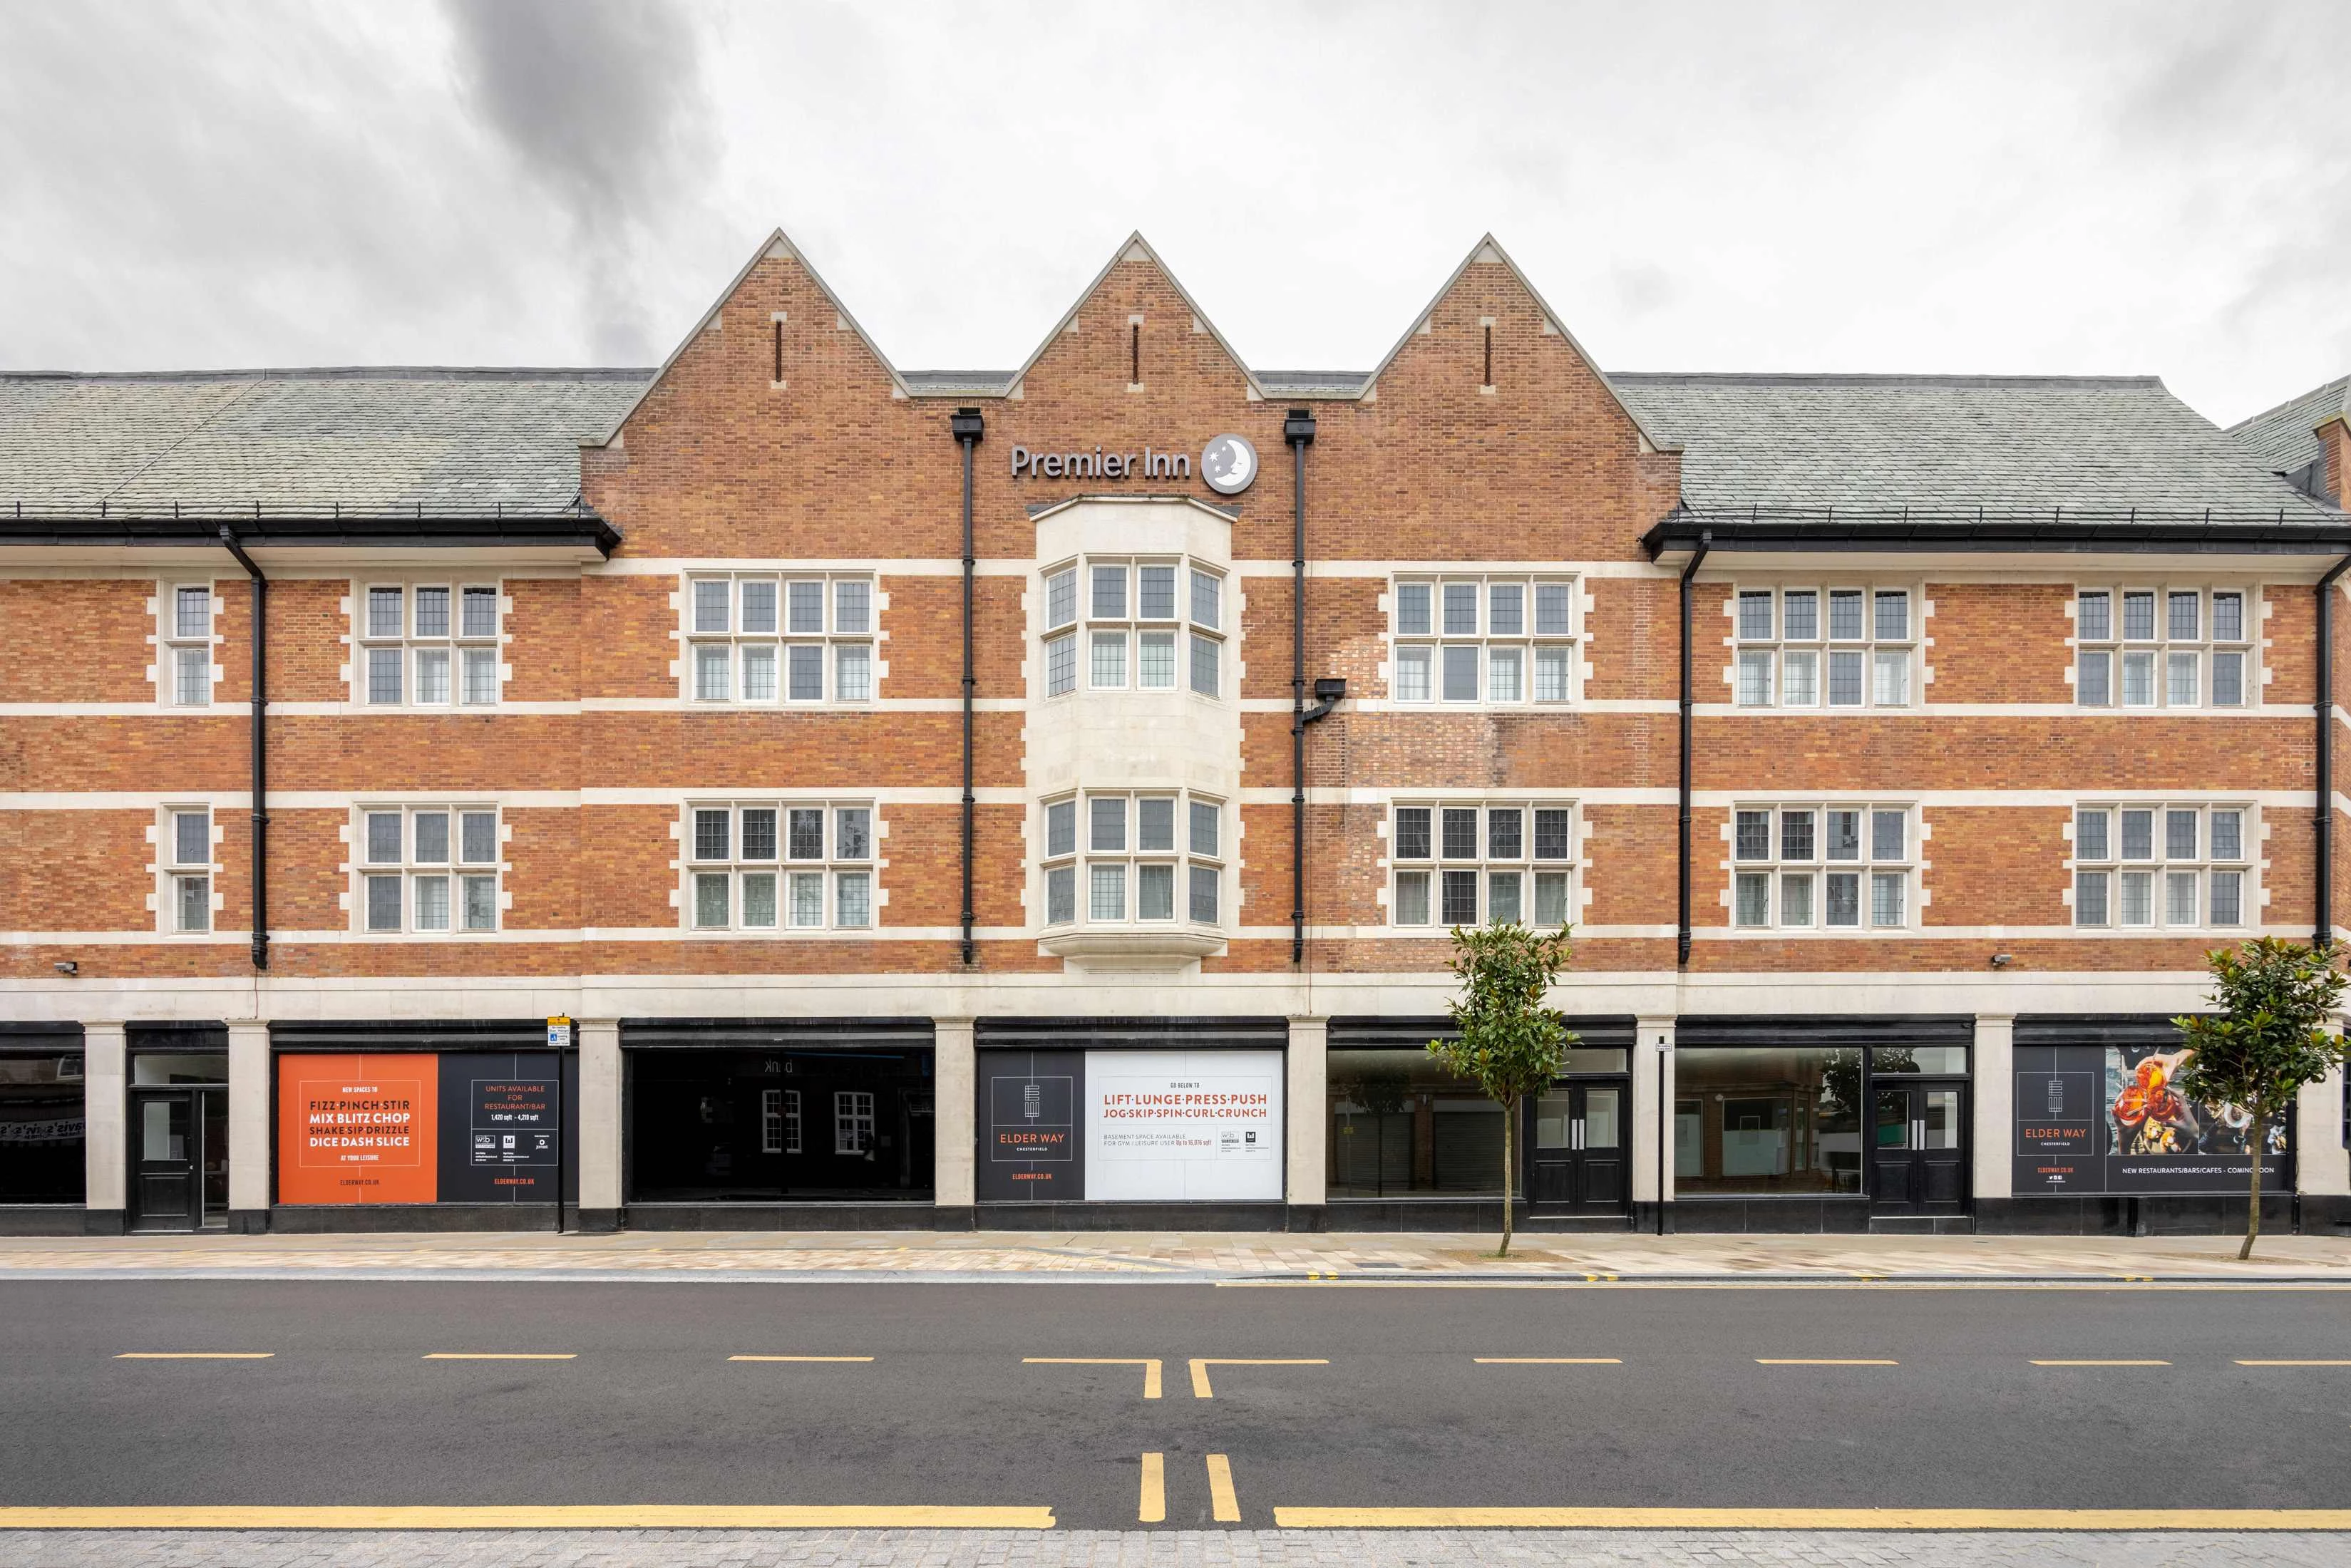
(1227, 464)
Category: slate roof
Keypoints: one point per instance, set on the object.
(366, 442)
(478, 441)
(2284, 440)
(1951, 444)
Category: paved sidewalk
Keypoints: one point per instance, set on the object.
(1169, 1255)
(1163, 1549)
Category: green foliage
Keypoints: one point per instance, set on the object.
(1511, 1044)
(2273, 999)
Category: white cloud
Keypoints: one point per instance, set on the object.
(2088, 188)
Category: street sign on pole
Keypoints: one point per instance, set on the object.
(558, 1038)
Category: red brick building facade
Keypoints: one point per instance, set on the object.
(926, 800)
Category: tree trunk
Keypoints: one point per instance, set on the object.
(2258, 1137)
(1510, 1114)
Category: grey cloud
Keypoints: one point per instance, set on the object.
(1643, 286)
(603, 103)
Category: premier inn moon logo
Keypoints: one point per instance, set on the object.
(1229, 465)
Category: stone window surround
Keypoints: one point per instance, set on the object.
(356, 640)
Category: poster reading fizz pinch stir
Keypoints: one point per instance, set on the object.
(1174, 1124)
(357, 1129)
(423, 1127)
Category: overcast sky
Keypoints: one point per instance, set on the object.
(2052, 187)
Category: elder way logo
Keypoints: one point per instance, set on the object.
(1229, 465)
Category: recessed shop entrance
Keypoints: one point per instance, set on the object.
(179, 1159)
(1576, 1149)
(1918, 1148)
(178, 1103)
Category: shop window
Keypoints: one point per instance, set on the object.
(427, 870)
(1483, 641)
(765, 640)
(1134, 625)
(1940, 1059)
(2154, 646)
(1766, 1119)
(428, 644)
(1836, 647)
(189, 643)
(1474, 863)
(2177, 867)
(1402, 1126)
(724, 1124)
(43, 1135)
(1147, 858)
(1821, 867)
(184, 862)
(763, 866)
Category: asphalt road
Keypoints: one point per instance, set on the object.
(1677, 1408)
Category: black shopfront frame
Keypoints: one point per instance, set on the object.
(1565, 1198)
(467, 1205)
(1060, 1046)
(49, 1191)
(2174, 1208)
(892, 1058)
(1831, 1212)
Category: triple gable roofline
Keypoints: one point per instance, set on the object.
(1337, 387)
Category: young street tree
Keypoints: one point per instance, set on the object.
(1510, 1045)
(2275, 999)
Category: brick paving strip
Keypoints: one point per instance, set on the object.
(1151, 1549)
(1176, 1256)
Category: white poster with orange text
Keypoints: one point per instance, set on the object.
(1169, 1126)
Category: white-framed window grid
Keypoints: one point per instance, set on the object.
(1469, 639)
(185, 845)
(1134, 623)
(775, 865)
(1134, 860)
(2157, 645)
(1833, 645)
(853, 1122)
(433, 870)
(780, 1121)
(1482, 862)
(1823, 866)
(2164, 865)
(760, 639)
(427, 644)
(187, 615)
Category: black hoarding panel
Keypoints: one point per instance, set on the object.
(2094, 1119)
(1031, 1149)
(501, 1124)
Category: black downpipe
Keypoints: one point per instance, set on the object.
(1682, 932)
(968, 427)
(259, 711)
(1298, 430)
(2325, 932)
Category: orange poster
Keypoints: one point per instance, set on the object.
(357, 1129)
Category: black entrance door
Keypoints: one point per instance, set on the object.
(1919, 1148)
(179, 1158)
(1576, 1157)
